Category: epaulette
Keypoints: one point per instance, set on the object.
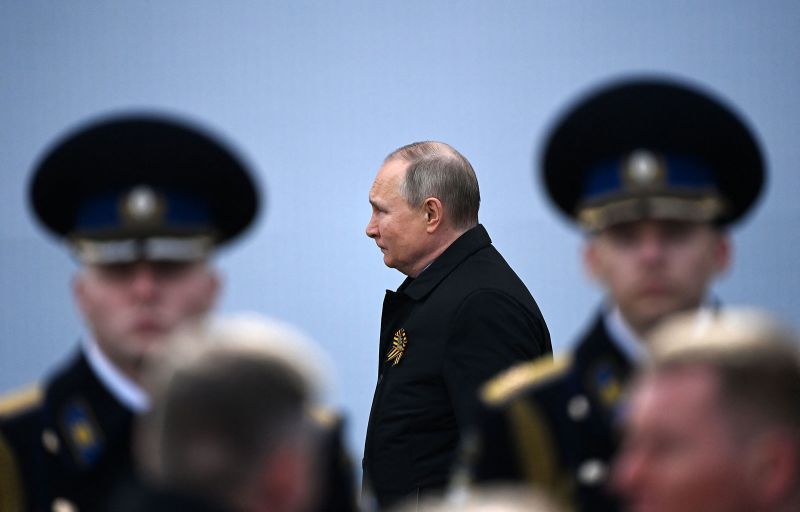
(324, 416)
(11, 494)
(20, 400)
(507, 384)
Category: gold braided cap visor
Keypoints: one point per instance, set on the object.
(597, 215)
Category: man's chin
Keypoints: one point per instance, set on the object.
(648, 313)
(149, 344)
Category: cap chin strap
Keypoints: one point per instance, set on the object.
(105, 252)
(598, 217)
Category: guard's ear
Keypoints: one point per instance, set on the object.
(285, 482)
(79, 290)
(434, 211)
(723, 253)
(592, 263)
(773, 467)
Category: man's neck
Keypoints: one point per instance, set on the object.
(625, 337)
(445, 237)
(119, 383)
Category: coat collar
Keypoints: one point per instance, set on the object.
(467, 244)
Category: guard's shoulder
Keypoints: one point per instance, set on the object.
(12, 496)
(325, 416)
(19, 401)
(523, 376)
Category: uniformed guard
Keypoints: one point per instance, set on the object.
(654, 171)
(142, 201)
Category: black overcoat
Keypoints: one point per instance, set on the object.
(461, 321)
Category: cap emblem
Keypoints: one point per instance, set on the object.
(142, 206)
(643, 169)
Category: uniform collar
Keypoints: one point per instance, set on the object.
(126, 391)
(626, 340)
(623, 336)
(468, 243)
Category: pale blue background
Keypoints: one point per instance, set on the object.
(314, 94)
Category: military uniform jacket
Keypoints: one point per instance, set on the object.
(69, 449)
(462, 320)
(141, 497)
(553, 424)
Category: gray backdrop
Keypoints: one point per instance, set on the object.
(314, 94)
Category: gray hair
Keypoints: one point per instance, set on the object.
(486, 498)
(226, 396)
(436, 169)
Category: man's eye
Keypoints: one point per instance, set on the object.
(676, 231)
(118, 270)
(623, 236)
(170, 268)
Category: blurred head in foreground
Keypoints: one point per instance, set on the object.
(230, 423)
(714, 422)
(485, 499)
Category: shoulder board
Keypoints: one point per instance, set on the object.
(11, 490)
(21, 400)
(510, 382)
(324, 416)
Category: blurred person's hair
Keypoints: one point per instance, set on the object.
(227, 397)
(491, 498)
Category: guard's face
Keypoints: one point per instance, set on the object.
(131, 307)
(680, 451)
(654, 268)
(398, 229)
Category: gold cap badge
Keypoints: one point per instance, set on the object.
(142, 205)
(643, 170)
(399, 344)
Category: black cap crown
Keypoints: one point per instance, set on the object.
(651, 148)
(136, 177)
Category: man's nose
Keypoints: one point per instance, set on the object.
(372, 227)
(652, 248)
(144, 282)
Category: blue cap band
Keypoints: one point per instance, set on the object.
(680, 173)
(108, 212)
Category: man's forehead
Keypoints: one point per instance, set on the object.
(695, 381)
(392, 170)
(388, 178)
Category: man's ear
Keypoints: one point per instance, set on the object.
(723, 254)
(79, 290)
(774, 467)
(591, 259)
(434, 211)
(285, 483)
(214, 287)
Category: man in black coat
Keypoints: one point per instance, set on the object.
(654, 171)
(460, 317)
